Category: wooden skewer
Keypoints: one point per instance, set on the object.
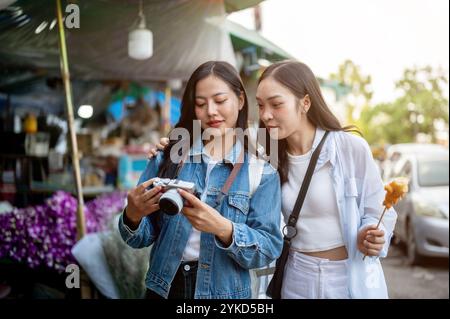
(379, 221)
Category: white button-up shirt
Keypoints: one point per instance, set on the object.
(360, 193)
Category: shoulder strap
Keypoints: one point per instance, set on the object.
(226, 187)
(290, 230)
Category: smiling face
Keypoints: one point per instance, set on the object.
(279, 109)
(216, 105)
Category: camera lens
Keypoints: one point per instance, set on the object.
(171, 202)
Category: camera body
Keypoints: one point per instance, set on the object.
(171, 202)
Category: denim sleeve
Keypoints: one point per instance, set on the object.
(259, 241)
(372, 197)
(147, 231)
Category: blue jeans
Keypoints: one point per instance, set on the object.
(183, 285)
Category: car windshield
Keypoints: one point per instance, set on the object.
(433, 173)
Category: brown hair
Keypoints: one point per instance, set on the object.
(300, 80)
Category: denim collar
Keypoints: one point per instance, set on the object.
(232, 157)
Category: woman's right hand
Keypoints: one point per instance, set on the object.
(163, 142)
(142, 202)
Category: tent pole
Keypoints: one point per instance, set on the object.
(166, 111)
(81, 227)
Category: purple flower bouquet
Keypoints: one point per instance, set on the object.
(43, 235)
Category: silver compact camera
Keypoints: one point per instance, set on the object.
(171, 202)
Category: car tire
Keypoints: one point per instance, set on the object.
(413, 256)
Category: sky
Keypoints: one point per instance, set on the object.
(383, 37)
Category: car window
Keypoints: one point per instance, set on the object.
(395, 156)
(433, 173)
(403, 171)
(407, 169)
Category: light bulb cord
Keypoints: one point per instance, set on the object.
(141, 15)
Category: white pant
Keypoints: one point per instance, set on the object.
(307, 277)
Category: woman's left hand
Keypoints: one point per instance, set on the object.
(206, 219)
(370, 240)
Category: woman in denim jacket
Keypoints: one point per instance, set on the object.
(206, 251)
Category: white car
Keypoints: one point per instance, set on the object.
(423, 220)
(396, 152)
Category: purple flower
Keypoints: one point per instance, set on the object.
(43, 235)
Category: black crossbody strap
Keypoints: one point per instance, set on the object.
(290, 230)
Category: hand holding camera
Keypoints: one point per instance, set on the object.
(171, 201)
(206, 219)
(142, 202)
(172, 196)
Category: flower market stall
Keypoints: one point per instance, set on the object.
(42, 236)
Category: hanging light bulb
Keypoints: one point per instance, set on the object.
(85, 111)
(140, 40)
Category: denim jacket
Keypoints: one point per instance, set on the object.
(223, 272)
(360, 194)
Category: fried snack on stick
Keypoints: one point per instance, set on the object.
(395, 191)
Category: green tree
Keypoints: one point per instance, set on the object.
(421, 104)
(349, 74)
(358, 107)
(385, 124)
(423, 100)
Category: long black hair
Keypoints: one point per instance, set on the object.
(227, 73)
(300, 80)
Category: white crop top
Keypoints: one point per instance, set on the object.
(318, 226)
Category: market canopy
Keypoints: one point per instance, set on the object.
(243, 38)
(185, 35)
(237, 5)
(230, 5)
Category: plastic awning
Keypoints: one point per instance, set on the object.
(186, 33)
(182, 34)
(230, 5)
(243, 38)
(237, 5)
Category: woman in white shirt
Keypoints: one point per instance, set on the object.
(337, 223)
